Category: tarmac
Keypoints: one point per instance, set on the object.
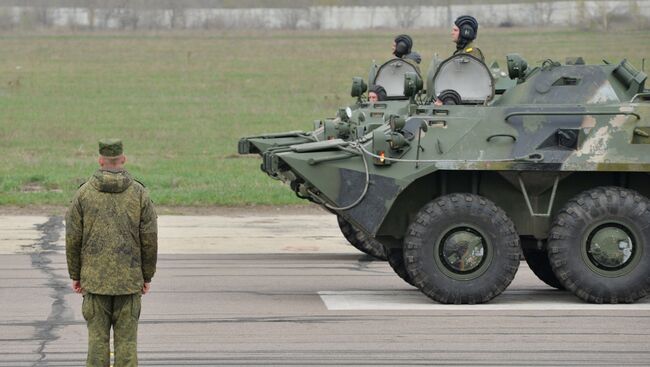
(288, 290)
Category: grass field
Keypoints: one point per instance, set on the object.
(180, 101)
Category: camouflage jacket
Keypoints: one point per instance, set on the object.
(111, 235)
(471, 50)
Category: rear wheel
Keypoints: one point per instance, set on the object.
(538, 262)
(598, 245)
(360, 240)
(461, 248)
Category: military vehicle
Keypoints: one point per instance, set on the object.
(556, 165)
(353, 122)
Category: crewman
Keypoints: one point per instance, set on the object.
(463, 33)
(111, 250)
(377, 93)
(403, 49)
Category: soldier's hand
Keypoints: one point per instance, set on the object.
(76, 286)
(145, 288)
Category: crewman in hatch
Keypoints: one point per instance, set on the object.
(403, 49)
(463, 33)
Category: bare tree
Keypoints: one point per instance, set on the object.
(604, 13)
(42, 16)
(177, 15)
(6, 19)
(291, 17)
(541, 13)
(406, 15)
(316, 18)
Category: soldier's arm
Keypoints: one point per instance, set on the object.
(148, 238)
(73, 238)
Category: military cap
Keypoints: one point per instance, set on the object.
(110, 147)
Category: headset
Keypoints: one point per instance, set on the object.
(468, 24)
(467, 32)
(401, 49)
(402, 45)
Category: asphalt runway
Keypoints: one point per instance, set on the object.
(288, 290)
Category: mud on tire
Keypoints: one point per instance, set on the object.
(462, 248)
(599, 245)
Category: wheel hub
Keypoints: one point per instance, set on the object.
(610, 247)
(462, 250)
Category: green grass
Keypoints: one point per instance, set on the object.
(180, 101)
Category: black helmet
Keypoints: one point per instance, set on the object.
(468, 26)
(379, 91)
(403, 45)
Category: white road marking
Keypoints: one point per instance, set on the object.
(524, 300)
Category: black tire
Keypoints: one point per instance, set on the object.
(539, 263)
(599, 245)
(361, 241)
(444, 228)
(396, 262)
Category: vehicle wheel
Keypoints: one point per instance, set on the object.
(598, 245)
(539, 263)
(360, 240)
(396, 261)
(461, 248)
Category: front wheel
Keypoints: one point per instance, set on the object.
(360, 240)
(462, 248)
(599, 245)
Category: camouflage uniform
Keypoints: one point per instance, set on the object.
(471, 50)
(111, 247)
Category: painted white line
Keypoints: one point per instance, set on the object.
(524, 300)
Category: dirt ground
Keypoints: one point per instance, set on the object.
(54, 210)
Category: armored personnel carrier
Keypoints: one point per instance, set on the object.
(556, 165)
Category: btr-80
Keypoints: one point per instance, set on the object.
(556, 165)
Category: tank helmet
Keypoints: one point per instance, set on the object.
(468, 28)
(379, 91)
(403, 45)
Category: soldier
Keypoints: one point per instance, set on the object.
(463, 32)
(111, 249)
(377, 93)
(402, 48)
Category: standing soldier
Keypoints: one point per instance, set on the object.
(463, 33)
(111, 248)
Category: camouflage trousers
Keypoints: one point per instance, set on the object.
(119, 312)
